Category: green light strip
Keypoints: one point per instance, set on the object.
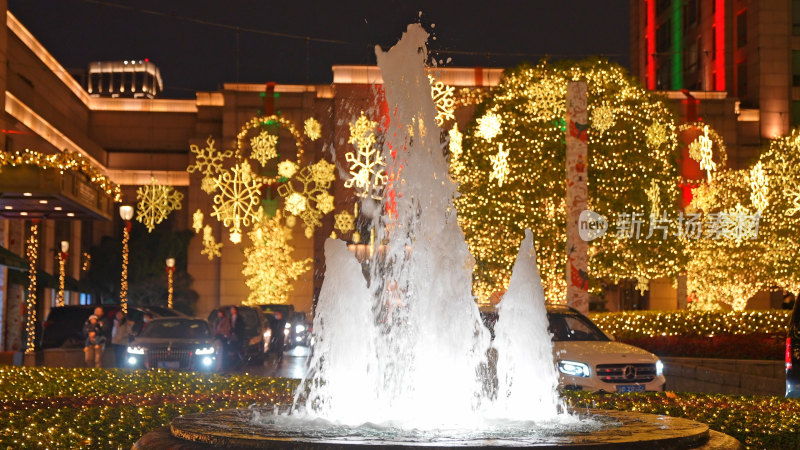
(677, 45)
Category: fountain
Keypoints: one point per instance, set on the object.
(401, 358)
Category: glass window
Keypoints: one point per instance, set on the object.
(741, 29)
(573, 327)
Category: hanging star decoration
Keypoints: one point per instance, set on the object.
(208, 161)
(759, 187)
(264, 147)
(500, 168)
(366, 164)
(344, 222)
(793, 192)
(287, 168)
(444, 100)
(656, 134)
(653, 194)
(238, 199)
(603, 118)
(210, 246)
(304, 191)
(700, 150)
(312, 128)
(155, 202)
(197, 221)
(489, 126)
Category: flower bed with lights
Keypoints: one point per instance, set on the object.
(72, 408)
(701, 334)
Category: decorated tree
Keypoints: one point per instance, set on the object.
(511, 170)
(269, 266)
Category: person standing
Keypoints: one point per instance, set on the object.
(93, 349)
(120, 337)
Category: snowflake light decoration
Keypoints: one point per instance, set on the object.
(366, 165)
(312, 128)
(344, 222)
(702, 197)
(759, 187)
(257, 125)
(264, 147)
(455, 148)
(500, 168)
(793, 192)
(304, 191)
(208, 161)
(237, 203)
(287, 168)
(325, 202)
(656, 134)
(444, 100)
(653, 194)
(489, 126)
(210, 246)
(197, 221)
(155, 202)
(546, 98)
(700, 150)
(603, 118)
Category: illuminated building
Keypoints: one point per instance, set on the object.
(124, 79)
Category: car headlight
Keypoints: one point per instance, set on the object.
(205, 351)
(659, 368)
(574, 368)
(288, 325)
(132, 361)
(136, 350)
(299, 328)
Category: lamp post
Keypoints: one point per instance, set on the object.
(62, 262)
(126, 213)
(170, 271)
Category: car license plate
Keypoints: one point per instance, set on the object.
(169, 365)
(630, 388)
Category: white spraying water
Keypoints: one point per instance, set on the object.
(410, 350)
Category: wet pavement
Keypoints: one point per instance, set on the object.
(293, 365)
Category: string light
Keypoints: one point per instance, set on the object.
(62, 273)
(155, 203)
(344, 222)
(489, 126)
(32, 251)
(499, 166)
(269, 267)
(759, 187)
(197, 221)
(123, 287)
(170, 276)
(256, 125)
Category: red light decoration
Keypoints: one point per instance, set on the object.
(650, 43)
(719, 39)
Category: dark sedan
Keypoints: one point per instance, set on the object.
(174, 343)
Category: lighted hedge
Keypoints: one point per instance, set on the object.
(98, 408)
(639, 324)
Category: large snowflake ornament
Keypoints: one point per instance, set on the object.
(239, 196)
(792, 191)
(208, 161)
(264, 147)
(444, 100)
(603, 118)
(210, 246)
(366, 164)
(489, 126)
(759, 187)
(656, 135)
(155, 202)
(344, 222)
(312, 128)
(500, 168)
(287, 168)
(700, 150)
(305, 191)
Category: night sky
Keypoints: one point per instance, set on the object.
(196, 56)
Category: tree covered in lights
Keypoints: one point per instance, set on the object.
(269, 267)
(632, 142)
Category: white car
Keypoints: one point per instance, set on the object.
(589, 360)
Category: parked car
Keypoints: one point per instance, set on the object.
(181, 343)
(256, 331)
(588, 359)
(64, 324)
(793, 354)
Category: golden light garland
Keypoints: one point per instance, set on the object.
(653, 195)
(170, 287)
(256, 125)
(367, 172)
(306, 194)
(529, 105)
(62, 273)
(312, 128)
(444, 100)
(63, 162)
(155, 203)
(264, 147)
(123, 284)
(208, 161)
(210, 246)
(32, 251)
(269, 267)
(236, 203)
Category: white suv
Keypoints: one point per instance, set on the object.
(589, 360)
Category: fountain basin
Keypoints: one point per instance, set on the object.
(235, 428)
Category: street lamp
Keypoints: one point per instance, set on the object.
(126, 213)
(62, 262)
(170, 271)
